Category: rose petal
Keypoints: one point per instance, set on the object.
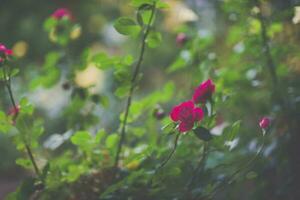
(2, 47)
(8, 52)
(185, 126)
(182, 111)
(204, 91)
(174, 115)
(264, 122)
(198, 114)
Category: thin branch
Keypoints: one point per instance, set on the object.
(200, 166)
(30, 154)
(266, 47)
(132, 87)
(7, 81)
(171, 153)
(167, 159)
(243, 167)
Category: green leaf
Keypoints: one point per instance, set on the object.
(14, 72)
(82, 139)
(26, 163)
(122, 91)
(103, 61)
(145, 17)
(26, 106)
(100, 134)
(203, 133)
(128, 60)
(5, 124)
(104, 100)
(51, 59)
(74, 172)
(179, 63)
(162, 5)
(127, 26)
(140, 3)
(111, 141)
(234, 130)
(84, 58)
(251, 175)
(154, 39)
(50, 23)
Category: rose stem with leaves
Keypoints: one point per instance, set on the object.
(200, 166)
(7, 82)
(167, 159)
(231, 178)
(145, 33)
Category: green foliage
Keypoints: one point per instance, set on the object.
(50, 72)
(127, 26)
(154, 39)
(202, 133)
(86, 120)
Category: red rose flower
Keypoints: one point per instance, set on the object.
(62, 12)
(186, 114)
(204, 91)
(264, 122)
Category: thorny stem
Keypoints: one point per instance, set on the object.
(7, 82)
(133, 84)
(232, 177)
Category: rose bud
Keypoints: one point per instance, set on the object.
(264, 122)
(159, 113)
(181, 39)
(204, 91)
(61, 13)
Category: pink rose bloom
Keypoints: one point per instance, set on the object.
(264, 122)
(186, 114)
(4, 52)
(181, 38)
(62, 12)
(204, 92)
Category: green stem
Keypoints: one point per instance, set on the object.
(243, 167)
(132, 87)
(7, 80)
(201, 164)
(30, 154)
(167, 159)
(171, 153)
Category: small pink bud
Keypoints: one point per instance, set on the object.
(14, 110)
(2, 47)
(62, 12)
(159, 113)
(181, 39)
(4, 52)
(264, 122)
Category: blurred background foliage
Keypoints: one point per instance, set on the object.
(79, 96)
